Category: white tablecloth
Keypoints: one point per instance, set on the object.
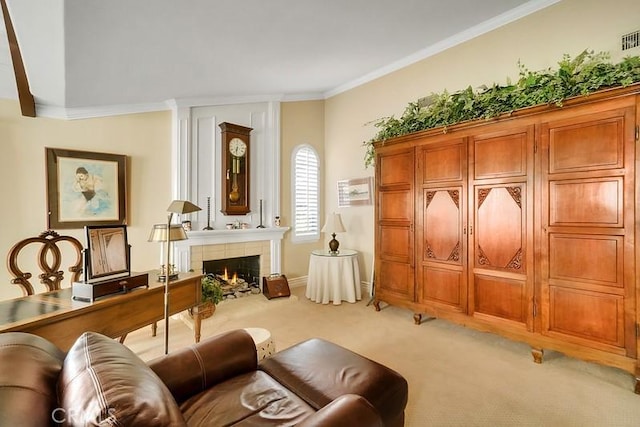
(334, 278)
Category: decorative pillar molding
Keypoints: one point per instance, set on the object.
(180, 152)
(196, 169)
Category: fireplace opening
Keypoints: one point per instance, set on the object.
(238, 276)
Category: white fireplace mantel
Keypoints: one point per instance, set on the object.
(274, 235)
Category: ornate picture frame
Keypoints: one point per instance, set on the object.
(355, 192)
(85, 188)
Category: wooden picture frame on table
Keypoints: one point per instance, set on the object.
(85, 188)
(355, 192)
(107, 254)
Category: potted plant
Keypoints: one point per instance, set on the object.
(211, 296)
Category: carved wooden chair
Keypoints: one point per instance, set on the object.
(49, 259)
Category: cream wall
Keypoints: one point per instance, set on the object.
(301, 123)
(538, 40)
(144, 138)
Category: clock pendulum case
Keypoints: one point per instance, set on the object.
(235, 169)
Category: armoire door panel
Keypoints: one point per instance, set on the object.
(587, 202)
(395, 206)
(395, 169)
(595, 259)
(396, 278)
(442, 286)
(592, 316)
(443, 163)
(500, 297)
(441, 228)
(397, 243)
(587, 228)
(590, 145)
(499, 232)
(500, 156)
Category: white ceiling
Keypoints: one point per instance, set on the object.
(96, 53)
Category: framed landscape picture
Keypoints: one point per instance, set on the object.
(355, 192)
(85, 188)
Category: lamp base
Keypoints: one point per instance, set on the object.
(333, 244)
(163, 277)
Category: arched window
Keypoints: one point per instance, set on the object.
(306, 194)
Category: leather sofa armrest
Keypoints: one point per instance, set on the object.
(193, 369)
(345, 411)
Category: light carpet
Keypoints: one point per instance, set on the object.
(457, 376)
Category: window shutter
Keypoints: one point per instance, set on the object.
(306, 194)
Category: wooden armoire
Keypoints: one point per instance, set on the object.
(524, 225)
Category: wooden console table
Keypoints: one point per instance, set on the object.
(60, 319)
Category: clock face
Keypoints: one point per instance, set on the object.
(237, 147)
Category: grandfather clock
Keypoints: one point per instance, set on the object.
(235, 169)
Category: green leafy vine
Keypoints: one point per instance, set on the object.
(582, 75)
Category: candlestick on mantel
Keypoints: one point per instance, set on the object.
(208, 227)
(260, 226)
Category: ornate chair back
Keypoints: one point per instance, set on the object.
(49, 260)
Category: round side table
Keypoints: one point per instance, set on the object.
(264, 343)
(333, 277)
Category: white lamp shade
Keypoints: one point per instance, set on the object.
(333, 224)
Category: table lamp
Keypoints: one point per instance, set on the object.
(333, 225)
(159, 234)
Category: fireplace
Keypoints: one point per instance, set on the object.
(239, 275)
(202, 246)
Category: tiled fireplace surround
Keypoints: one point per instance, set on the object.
(221, 244)
(232, 250)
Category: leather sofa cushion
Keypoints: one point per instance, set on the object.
(103, 383)
(319, 371)
(249, 399)
(28, 373)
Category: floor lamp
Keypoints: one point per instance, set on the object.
(179, 207)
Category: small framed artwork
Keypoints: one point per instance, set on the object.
(355, 192)
(85, 188)
(107, 253)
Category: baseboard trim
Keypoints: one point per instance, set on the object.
(300, 282)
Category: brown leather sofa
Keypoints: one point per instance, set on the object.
(217, 382)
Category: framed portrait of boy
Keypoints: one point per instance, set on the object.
(85, 188)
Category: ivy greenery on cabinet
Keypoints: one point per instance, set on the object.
(586, 73)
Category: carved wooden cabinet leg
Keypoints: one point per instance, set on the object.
(637, 387)
(538, 354)
(376, 305)
(417, 318)
(154, 329)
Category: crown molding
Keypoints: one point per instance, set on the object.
(55, 112)
(459, 38)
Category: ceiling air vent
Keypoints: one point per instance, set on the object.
(631, 40)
